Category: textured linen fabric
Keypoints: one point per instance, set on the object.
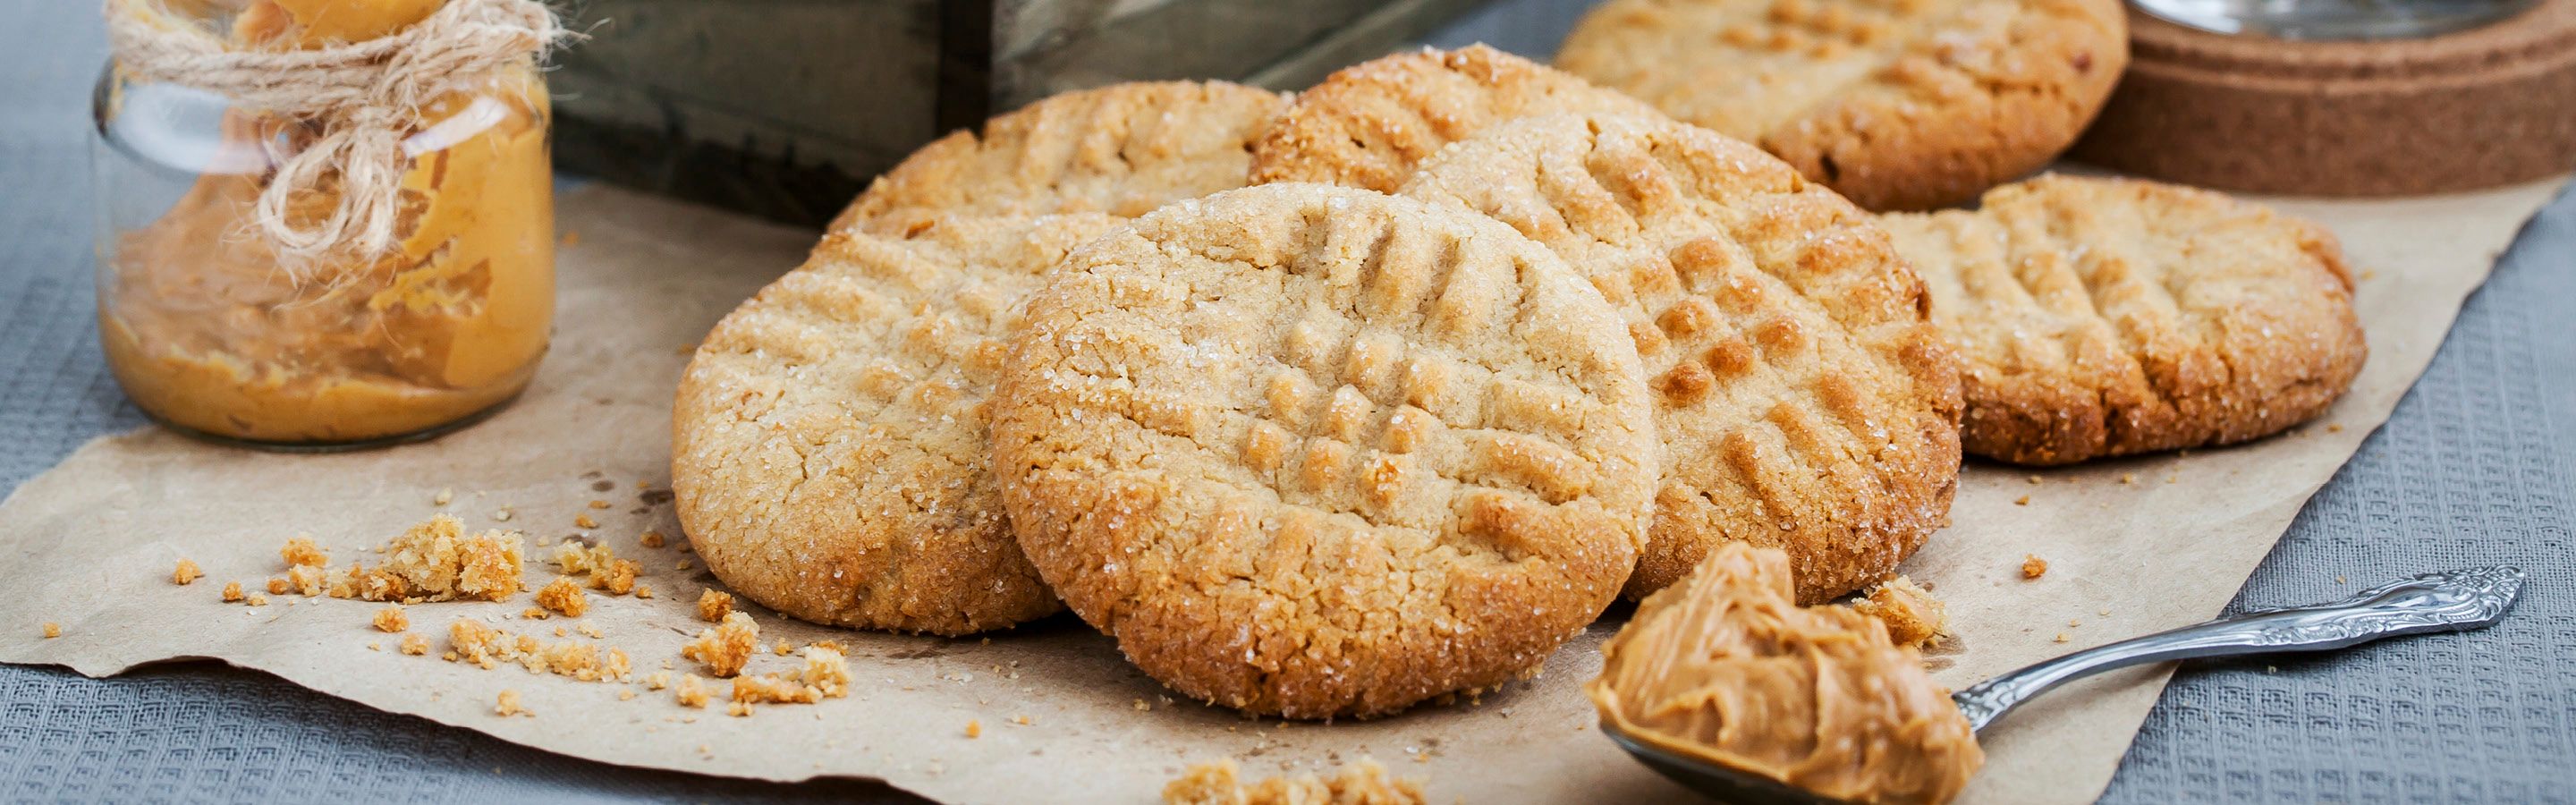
(2478, 465)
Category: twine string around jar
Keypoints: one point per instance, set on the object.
(366, 96)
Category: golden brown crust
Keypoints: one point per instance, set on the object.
(2106, 317)
(1897, 104)
(1120, 150)
(1369, 124)
(1317, 451)
(828, 437)
(1804, 398)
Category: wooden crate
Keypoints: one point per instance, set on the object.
(784, 108)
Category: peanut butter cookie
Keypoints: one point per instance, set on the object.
(2105, 317)
(1367, 125)
(1897, 104)
(1317, 451)
(1804, 399)
(1122, 149)
(828, 437)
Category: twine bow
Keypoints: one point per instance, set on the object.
(366, 95)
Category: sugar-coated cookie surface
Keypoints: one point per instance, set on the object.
(1804, 399)
(1317, 451)
(2105, 317)
(1896, 104)
(1122, 149)
(1367, 125)
(828, 436)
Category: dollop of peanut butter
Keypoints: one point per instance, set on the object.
(207, 330)
(1726, 667)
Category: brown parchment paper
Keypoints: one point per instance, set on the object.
(2134, 546)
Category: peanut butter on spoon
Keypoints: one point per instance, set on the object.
(1727, 668)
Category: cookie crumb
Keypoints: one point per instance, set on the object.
(232, 591)
(714, 605)
(562, 595)
(598, 504)
(643, 591)
(508, 705)
(2036, 480)
(186, 573)
(626, 694)
(1913, 616)
(2022, 501)
(2334, 427)
(583, 521)
(2061, 637)
(257, 601)
(782, 649)
(658, 681)
(443, 497)
(277, 587)
(689, 693)
(2033, 567)
(1362, 781)
(652, 539)
(392, 620)
(53, 630)
(589, 630)
(974, 729)
(619, 579)
(436, 561)
(301, 552)
(2128, 477)
(727, 647)
(309, 580)
(415, 645)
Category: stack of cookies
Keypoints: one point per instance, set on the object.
(1327, 405)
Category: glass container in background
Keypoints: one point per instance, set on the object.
(209, 331)
(2334, 19)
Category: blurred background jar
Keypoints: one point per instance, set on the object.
(234, 308)
(2334, 19)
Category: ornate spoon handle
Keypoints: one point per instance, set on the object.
(2434, 602)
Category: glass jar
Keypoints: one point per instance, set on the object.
(210, 331)
(2334, 19)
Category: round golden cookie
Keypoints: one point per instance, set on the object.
(1804, 399)
(828, 437)
(1122, 149)
(2105, 317)
(1317, 451)
(1897, 104)
(1367, 125)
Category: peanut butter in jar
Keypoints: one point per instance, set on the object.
(214, 325)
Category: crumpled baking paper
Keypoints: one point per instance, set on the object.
(2133, 546)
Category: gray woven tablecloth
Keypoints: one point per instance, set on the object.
(2478, 466)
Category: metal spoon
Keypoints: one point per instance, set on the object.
(2435, 602)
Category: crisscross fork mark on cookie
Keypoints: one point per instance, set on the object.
(2104, 317)
(1317, 451)
(1804, 399)
(1369, 124)
(1122, 150)
(828, 437)
(1897, 104)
